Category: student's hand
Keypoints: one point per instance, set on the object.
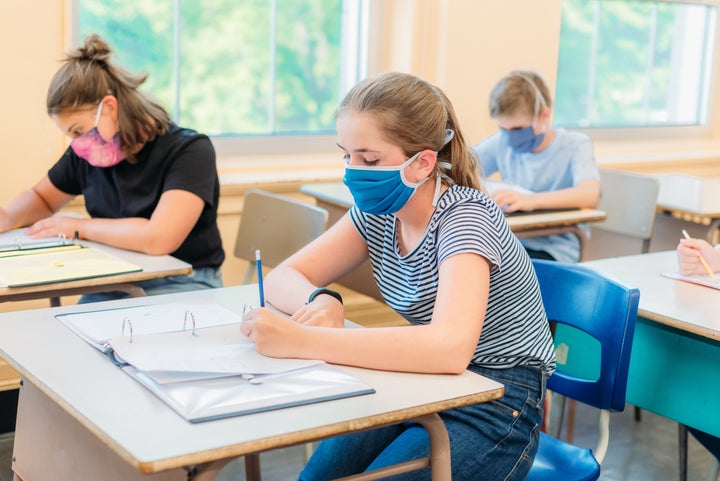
(56, 225)
(689, 252)
(511, 201)
(273, 335)
(323, 311)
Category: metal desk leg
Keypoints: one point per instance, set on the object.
(440, 466)
(208, 471)
(252, 467)
(439, 460)
(682, 451)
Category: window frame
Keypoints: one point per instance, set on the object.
(251, 145)
(677, 132)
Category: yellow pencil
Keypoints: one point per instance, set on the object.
(702, 259)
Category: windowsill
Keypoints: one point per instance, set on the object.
(285, 173)
(278, 173)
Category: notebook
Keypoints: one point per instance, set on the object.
(196, 360)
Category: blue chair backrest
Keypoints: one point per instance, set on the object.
(605, 310)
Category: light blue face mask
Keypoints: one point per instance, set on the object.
(385, 190)
(523, 140)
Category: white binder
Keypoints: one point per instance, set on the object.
(195, 358)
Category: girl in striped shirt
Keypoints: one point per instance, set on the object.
(445, 259)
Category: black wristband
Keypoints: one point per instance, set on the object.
(324, 290)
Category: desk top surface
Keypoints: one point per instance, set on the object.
(336, 193)
(682, 305)
(149, 435)
(153, 267)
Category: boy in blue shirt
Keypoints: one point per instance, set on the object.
(552, 168)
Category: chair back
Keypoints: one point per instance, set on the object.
(629, 200)
(595, 308)
(277, 225)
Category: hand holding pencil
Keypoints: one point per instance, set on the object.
(697, 257)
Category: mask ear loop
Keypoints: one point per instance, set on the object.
(99, 113)
(539, 97)
(449, 135)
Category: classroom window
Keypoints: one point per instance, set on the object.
(629, 63)
(239, 69)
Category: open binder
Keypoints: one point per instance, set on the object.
(196, 360)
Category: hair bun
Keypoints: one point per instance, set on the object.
(94, 49)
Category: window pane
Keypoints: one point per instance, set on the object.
(634, 64)
(140, 34)
(225, 66)
(238, 67)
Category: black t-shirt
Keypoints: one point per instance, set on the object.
(182, 159)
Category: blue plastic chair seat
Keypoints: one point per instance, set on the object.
(559, 460)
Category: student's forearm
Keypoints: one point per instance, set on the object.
(23, 210)
(132, 233)
(573, 197)
(389, 348)
(287, 289)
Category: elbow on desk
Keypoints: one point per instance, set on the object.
(160, 246)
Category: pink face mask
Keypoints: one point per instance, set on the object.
(97, 151)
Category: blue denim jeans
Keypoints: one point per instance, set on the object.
(200, 278)
(488, 441)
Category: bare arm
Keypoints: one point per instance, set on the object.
(446, 345)
(171, 222)
(586, 194)
(39, 202)
(321, 262)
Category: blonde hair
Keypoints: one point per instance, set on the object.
(415, 115)
(87, 76)
(519, 92)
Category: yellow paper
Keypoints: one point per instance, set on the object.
(60, 265)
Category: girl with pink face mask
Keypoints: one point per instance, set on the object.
(148, 185)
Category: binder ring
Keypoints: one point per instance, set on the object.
(192, 319)
(129, 323)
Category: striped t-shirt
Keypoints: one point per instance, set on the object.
(515, 330)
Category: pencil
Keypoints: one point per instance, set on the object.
(258, 263)
(702, 259)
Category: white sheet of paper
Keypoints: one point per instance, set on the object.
(491, 186)
(217, 350)
(702, 280)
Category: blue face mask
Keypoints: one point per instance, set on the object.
(380, 190)
(523, 140)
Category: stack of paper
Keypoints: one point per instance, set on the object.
(195, 358)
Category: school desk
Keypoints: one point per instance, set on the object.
(81, 417)
(676, 350)
(336, 199)
(692, 198)
(711, 220)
